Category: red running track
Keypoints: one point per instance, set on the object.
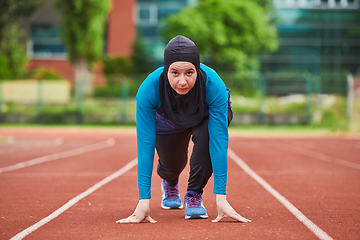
(291, 188)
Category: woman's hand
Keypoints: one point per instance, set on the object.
(225, 210)
(142, 212)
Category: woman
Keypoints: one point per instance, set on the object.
(182, 99)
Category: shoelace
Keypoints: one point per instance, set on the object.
(194, 201)
(171, 191)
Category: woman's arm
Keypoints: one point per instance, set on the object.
(147, 101)
(217, 101)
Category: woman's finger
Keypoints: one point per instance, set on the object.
(131, 219)
(125, 220)
(240, 218)
(150, 219)
(135, 219)
(217, 219)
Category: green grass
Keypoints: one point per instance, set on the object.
(284, 131)
(279, 130)
(266, 128)
(356, 116)
(68, 126)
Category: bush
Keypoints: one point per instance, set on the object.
(4, 68)
(115, 68)
(116, 91)
(45, 74)
(334, 117)
(117, 65)
(107, 91)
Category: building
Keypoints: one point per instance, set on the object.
(149, 16)
(314, 35)
(127, 19)
(45, 48)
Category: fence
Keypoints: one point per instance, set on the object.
(303, 91)
(272, 98)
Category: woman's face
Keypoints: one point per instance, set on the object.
(182, 76)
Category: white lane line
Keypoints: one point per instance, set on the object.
(296, 212)
(89, 148)
(9, 140)
(73, 201)
(59, 141)
(313, 154)
(33, 145)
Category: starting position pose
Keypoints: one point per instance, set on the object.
(181, 100)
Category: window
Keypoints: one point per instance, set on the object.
(45, 42)
(324, 4)
(147, 14)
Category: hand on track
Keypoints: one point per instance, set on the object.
(225, 210)
(141, 212)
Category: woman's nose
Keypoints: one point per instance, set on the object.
(182, 80)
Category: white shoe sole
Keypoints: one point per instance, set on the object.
(196, 216)
(165, 207)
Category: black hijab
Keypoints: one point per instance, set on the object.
(184, 110)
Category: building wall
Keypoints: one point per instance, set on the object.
(46, 50)
(316, 36)
(61, 66)
(40, 56)
(121, 27)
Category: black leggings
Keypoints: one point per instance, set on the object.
(173, 148)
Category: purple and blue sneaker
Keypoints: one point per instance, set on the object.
(194, 206)
(170, 197)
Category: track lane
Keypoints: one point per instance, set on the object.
(16, 155)
(30, 197)
(325, 192)
(75, 200)
(319, 189)
(266, 227)
(344, 153)
(296, 212)
(60, 155)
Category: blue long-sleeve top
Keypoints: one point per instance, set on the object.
(148, 102)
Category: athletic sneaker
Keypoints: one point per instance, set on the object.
(194, 206)
(170, 197)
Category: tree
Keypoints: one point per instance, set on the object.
(230, 34)
(140, 58)
(82, 28)
(12, 50)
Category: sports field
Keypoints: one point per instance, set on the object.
(71, 183)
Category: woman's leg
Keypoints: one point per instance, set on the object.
(200, 161)
(172, 150)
